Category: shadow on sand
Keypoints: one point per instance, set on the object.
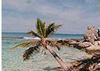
(52, 69)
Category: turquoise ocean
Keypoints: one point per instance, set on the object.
(12, 59)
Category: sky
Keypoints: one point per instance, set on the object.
(73, 15)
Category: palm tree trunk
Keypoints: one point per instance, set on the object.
(59, 60)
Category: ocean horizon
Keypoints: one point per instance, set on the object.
(22, 35)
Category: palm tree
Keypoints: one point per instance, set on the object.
(43, 32)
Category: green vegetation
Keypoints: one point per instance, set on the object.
(43, 32)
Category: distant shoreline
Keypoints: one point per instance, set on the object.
(54, 33)
(56, 36)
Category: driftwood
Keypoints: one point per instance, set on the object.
(91, 35)
(98, 34)
(89, 64)
(90, 42)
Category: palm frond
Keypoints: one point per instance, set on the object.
(56, 27)
(58, 47)
(34, 33)
(44, 29)
(30, 51)
(51, 28)
(54, 44)
(25, 44)
(40, 27)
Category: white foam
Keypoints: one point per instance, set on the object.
(36, 38)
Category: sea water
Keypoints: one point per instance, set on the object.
(12, 59)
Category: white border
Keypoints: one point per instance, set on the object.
(0, 35)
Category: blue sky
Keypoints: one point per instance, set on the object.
(74, 15)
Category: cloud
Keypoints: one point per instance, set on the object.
(18, 24)
(73, 15)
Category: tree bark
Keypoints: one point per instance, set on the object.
(59, 60)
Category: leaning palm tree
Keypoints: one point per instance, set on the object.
(43, 32)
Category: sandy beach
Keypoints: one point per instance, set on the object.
(13, 61)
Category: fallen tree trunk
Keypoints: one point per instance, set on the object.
(90, 64)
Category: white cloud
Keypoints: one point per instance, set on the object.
(11, 24)
(73, 17)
